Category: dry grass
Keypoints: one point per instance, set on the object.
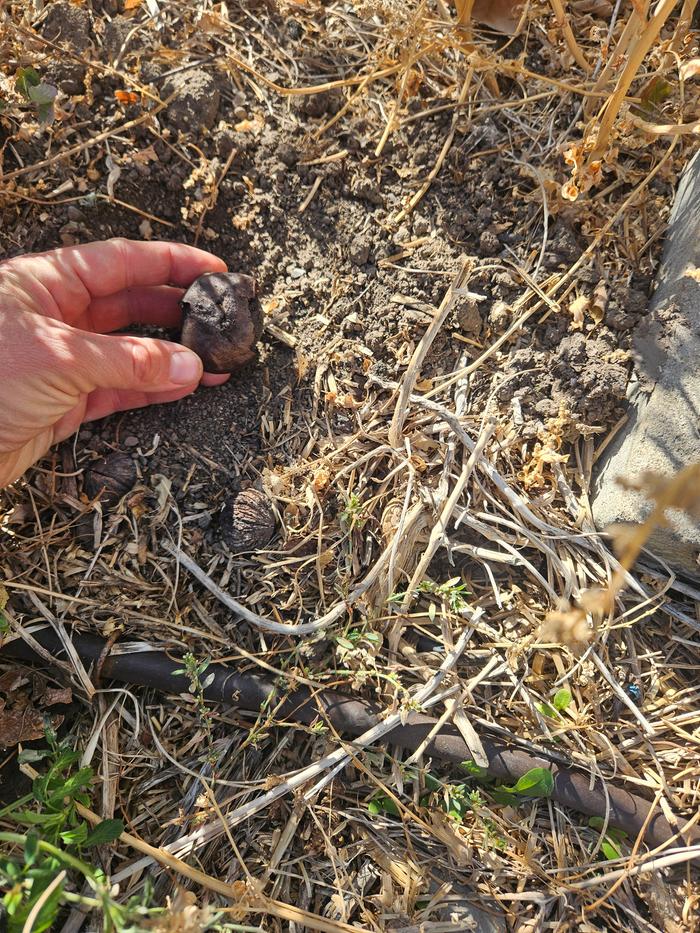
(422, 487)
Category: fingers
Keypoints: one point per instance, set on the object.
(139, 364)
(75, 275)
(104, 402)
(215, 379)
(149, 304)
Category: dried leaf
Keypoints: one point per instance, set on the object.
(569, 628)
(250, 126)
(578, 308)
(24, 725)
(144, 156)
(54, 695)
(501, 15)
(599, 303)
(690, 69)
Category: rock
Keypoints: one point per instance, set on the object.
(468, 317)
(359, 252)
(317, 105)
(67, 24)
(115, 35)
(489, 244)
(68, 76)
(662, 433)
(248, 521)
(222, 320)
(287, 153)
(196, 100)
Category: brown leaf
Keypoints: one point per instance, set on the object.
(577, 309)
(11, 680)
(501, 15)
(56, 695)
(690, 69)
(23, 726)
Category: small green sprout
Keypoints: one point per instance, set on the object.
(36, 92)
(352, 516)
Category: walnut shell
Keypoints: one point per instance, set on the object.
(110, 478)
(222, 320)
(248, 521)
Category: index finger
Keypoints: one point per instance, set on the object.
(74, 275)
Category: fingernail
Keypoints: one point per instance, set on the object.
(185, 368)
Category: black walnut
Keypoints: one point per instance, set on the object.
(248, 521)
(110, 478)
(222, 320)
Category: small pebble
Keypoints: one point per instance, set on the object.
(359, 253)
(131, 441)
(489, 244)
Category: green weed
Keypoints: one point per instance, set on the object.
(51, 854)
(195, 670)
(36, 92)
(353, 515)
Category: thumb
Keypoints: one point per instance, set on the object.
(138, 363)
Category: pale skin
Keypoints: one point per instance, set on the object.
(60, 362)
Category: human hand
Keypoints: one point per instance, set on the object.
(59, 363)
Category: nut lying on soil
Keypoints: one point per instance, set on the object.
(110, 478)
(222, 320)
(248, 521)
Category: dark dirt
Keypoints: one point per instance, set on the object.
(333, 269)
(222, 320)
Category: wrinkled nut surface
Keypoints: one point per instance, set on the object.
(248, 521)
(222, 320)
(110, 478)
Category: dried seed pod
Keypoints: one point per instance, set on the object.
(110, 478)
(248, 521)
(222, 320)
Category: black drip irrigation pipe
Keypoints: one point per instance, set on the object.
(573, 788)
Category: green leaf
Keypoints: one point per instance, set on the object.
(547, 710)
(456, 808)
(344, 643)
(29, 755)
(609, 849)
(49, 909)
(75, 837)
(31, 848)
(31, 818)
(26, 78)
(12, 902)
(474, 769)
(537, 782)
(561, 700)
(616, 834)
(105, 832)
(431, 782)
(69, 787)
(43, 96)
(383, 804)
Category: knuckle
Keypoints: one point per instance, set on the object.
(143, 363)
(120, 245)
